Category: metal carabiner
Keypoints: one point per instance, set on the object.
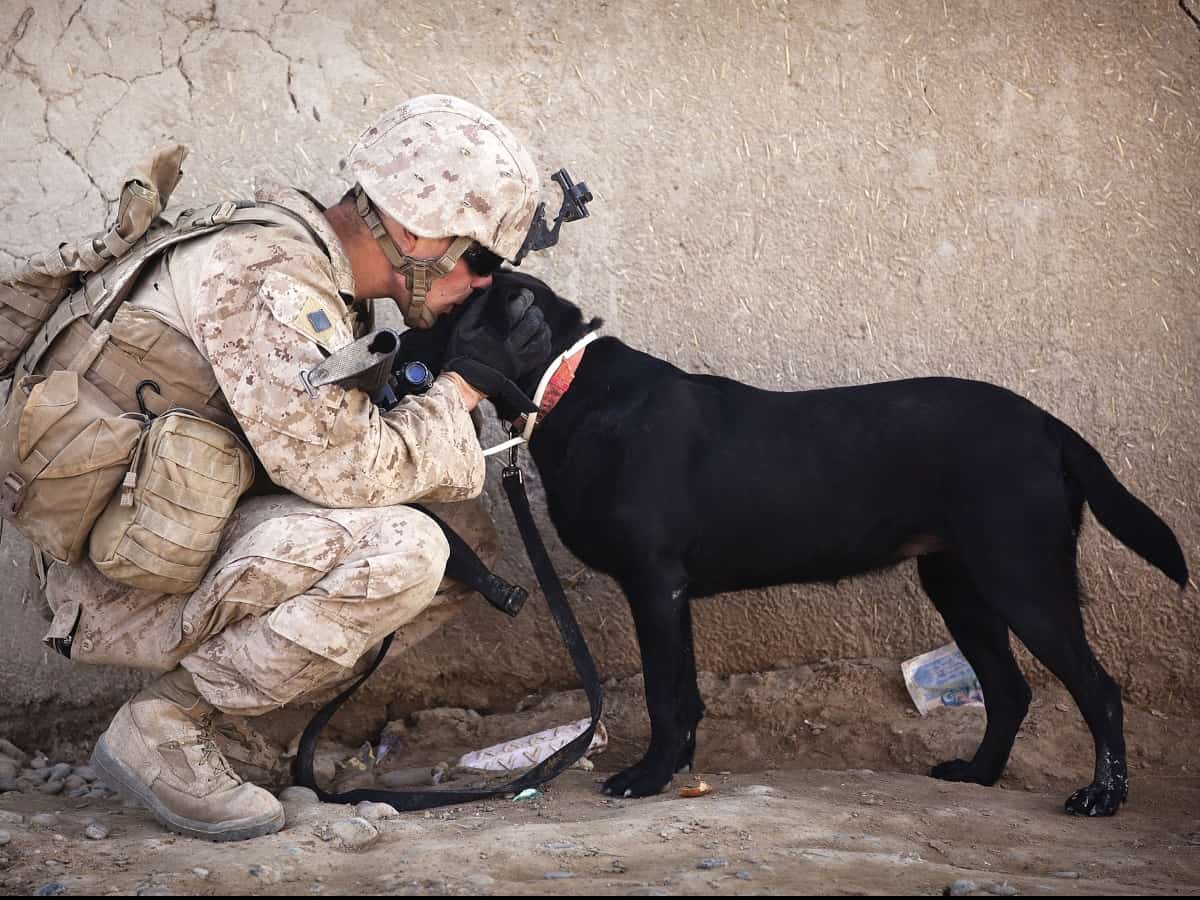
(137, 391)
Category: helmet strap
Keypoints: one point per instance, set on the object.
(419, 273)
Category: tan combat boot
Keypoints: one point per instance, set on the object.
(159, 750)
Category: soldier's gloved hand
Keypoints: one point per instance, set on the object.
(493, 352)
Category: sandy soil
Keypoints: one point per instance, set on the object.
(781, 819)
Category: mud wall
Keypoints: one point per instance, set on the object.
(798, 194)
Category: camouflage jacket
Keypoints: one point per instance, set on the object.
(261, 304)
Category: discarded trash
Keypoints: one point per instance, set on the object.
(696, 790)
(941, 677)
(532, 749)
(528, 794)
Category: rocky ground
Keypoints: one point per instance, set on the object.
(809, 795)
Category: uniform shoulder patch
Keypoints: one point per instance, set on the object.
(314, 319)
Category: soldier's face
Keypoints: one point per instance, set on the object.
(451, 289)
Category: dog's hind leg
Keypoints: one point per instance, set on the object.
(982, 636)
(1027, 574)
(659, 606)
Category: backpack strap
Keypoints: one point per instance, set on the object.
(105, 290)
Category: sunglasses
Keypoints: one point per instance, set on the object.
(481, 261)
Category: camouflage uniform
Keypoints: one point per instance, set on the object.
(305, 584)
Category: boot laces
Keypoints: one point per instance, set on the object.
(210, 754)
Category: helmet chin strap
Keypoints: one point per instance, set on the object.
(419, 274)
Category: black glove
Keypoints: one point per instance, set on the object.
(493, 349)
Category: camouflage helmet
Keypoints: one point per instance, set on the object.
(442, 167)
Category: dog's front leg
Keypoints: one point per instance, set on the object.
(659, 614)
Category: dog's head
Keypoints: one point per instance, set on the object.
(563, 317)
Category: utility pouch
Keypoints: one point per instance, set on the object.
(162, 529)
(64, 448)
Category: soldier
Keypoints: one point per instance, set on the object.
(305, 583)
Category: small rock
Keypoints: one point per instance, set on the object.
(61, 772)
(38, 775)
(43, 820)
(744, 876)
(558, 876)
(200, 873)
(154, 890)
(351, 834)
(298, 794)
(1068, 875)
(5, 837)
(266, 874)
(559, 845)
(758, 790)
(1003, 890)
(481, 881)
(8, 768)
(11, 818)
(97, 793)
(52, 889)
(960, 888)
(13, 752)
(39, 762)
(8, 784)
(374, 812)
(52, 787)
(95, 832)
(76, 793)
(87, 773)
(74, 782)
(712, 863)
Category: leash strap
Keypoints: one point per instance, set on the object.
(553, 766)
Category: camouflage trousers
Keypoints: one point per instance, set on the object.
(297, 596)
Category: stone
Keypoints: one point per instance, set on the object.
(5, 837)
(74, 782)
(559, 845)
(1003, 890)
(558, 876)
(61, 772)
(8, 784)
(744, 876)
(8, 768)
(52, 889)
(481, 881)
(35, 774)
(39, 762)
(7, 817)
(712, 863)
(13, 752)
(296, 794)
(1068, 875)
(266, 874)
(43, 820)
(87, 773)
(354, 833)
(77, 793)
(374, 812)
(52, 787)
(200, 873)
(960, 888)
(95, 832)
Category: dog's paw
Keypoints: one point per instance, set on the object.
(637, 781)
(1096, 800)
(960, 770)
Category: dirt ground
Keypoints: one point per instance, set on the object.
(811, 795)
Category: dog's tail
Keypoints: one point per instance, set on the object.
(1129, 519)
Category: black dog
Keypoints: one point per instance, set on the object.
(682, 486)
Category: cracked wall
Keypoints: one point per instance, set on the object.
(798, 194)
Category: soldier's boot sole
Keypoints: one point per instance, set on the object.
(118, 775)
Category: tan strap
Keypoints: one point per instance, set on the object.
(176, 532)
(149, 561)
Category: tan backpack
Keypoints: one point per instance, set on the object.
(162, 487)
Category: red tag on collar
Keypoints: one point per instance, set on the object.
(556, 387)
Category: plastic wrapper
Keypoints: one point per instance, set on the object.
(941, 677)
(519, 754)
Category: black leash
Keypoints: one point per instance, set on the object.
(408, 801)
